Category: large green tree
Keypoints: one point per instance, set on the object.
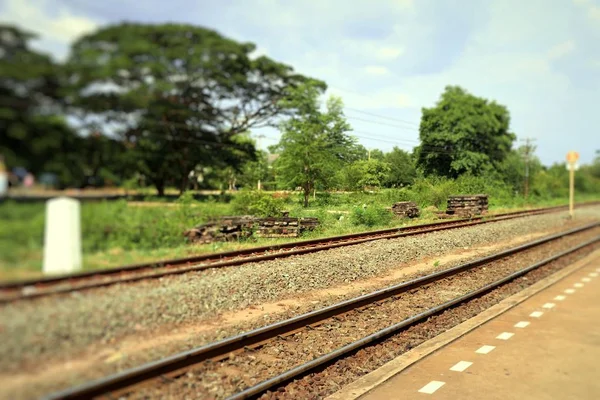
(463, 134)
(180, 93)
(402, 168)
(32, 134)
(314, 144)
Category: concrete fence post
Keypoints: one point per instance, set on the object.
(62, 236)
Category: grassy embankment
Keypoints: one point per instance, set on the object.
(116, 232)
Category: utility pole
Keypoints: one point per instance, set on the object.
(529, 149)
(261, 136)
(369, 154)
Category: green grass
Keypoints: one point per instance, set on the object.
(116, 233)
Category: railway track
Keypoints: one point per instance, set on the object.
(502, 267)
(35, 288)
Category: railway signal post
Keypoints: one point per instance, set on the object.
(572, 157)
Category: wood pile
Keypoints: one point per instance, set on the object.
(274, 227)
(406, 209)
(467, 205)
(223, 230)
(233, 228)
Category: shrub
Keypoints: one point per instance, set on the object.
(370, 216)
(257, 203)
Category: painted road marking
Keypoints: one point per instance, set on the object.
(521, 324)
(461, 366)
(570, 291)
(560, 297)
(578, 284)
(593, 274)
(548, 305)
(485, 349)
(586, 280)
(431, 387)
(505, 335)
(536, 314)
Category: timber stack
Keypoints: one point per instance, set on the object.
(233, 228)
(467, 205)
(224, 229)
(406, 209)
(275, 227)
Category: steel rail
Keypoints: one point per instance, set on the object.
(35, 288)
(319, 362)
(221, 349)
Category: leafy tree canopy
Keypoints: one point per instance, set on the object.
(314, 144)
(183, 92)
(463, 134)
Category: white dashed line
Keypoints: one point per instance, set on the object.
(570, 291)
(593, 274)
(485, 349)
(431, 387)
(560, 297)
(536, 314)
(578, 284)
(548, 305)
(505, 335)
(586, 280)
(521, 324)
(461, 366)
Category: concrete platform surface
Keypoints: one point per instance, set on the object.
(547, 347)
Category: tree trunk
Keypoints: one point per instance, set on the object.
(160, 187)
(306, 189)
(184, 184)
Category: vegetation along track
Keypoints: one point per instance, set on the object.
(259, 360)
(29, 289)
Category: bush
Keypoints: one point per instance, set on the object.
(257, 203)
(370, 216)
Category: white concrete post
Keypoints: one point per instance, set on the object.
(62, 236)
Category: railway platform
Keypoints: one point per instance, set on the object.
(545, 347)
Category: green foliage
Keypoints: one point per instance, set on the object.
(260, 204)
(365, 174)
(463, 134)
(313, 144)
(371, 216)
(402, 168)
(193, 92)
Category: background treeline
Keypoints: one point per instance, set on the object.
(139, 105)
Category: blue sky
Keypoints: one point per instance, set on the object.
(389, 58)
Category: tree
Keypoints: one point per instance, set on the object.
(313, 144)
(402, 168)
(31, 134)
(512, 169)
(367, 173)
(181, 94)
(463, 134)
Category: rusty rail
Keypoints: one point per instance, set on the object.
(35, 288)
(222, 348)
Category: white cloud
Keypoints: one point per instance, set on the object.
(389, 53)
(376, 70)
(561, 50)
(594, 13)
(55, 24)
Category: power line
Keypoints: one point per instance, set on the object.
(382, 116)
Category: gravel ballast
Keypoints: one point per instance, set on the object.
(220, 380)
(60, 327)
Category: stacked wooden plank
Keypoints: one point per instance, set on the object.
(274, 227)
(234, 228)
(467, 205)
(223, 230)
(406, 209)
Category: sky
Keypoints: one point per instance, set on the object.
(388, 59)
